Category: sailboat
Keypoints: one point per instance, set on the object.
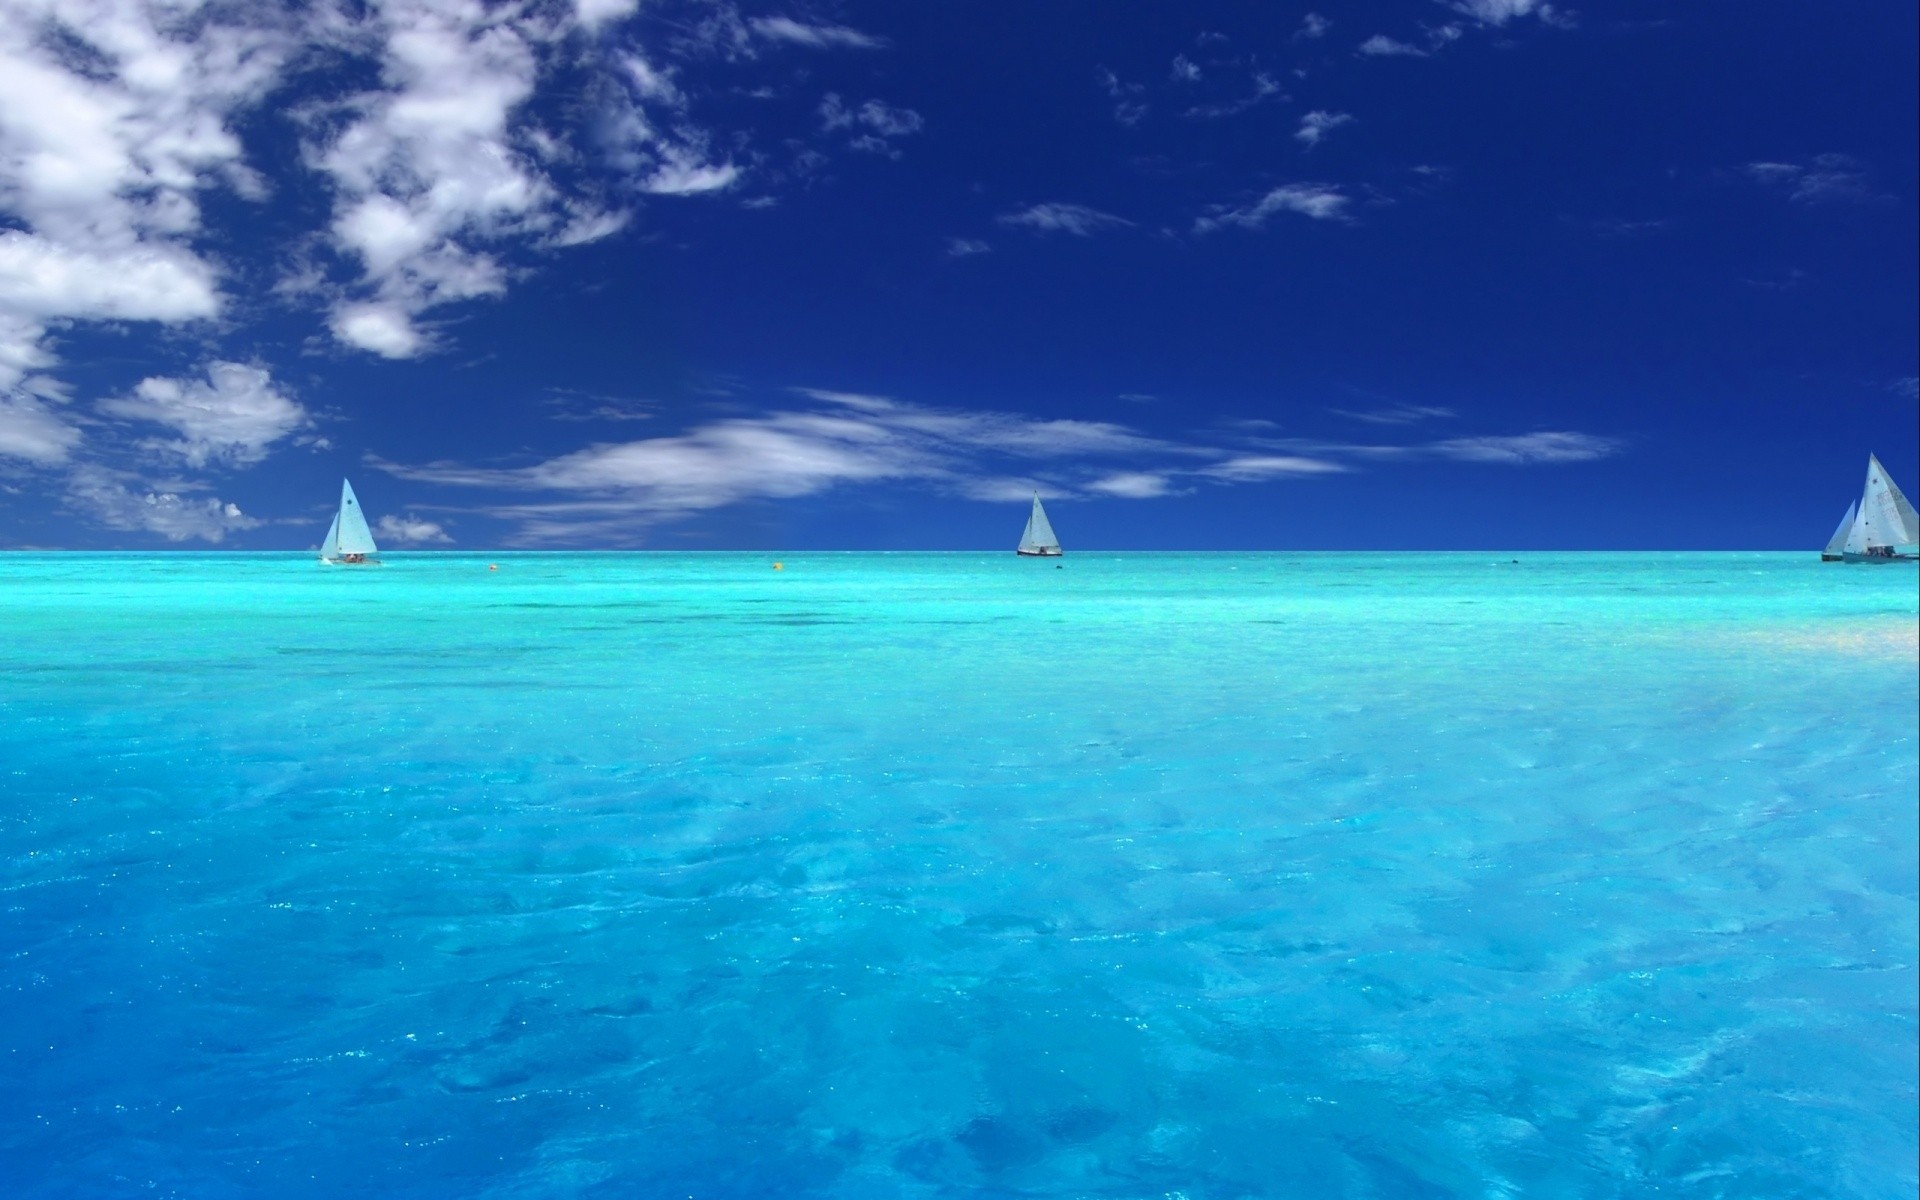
(349, 542)
(1038, 541)
(1880, 527)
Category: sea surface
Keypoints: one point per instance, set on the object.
(1168, 876)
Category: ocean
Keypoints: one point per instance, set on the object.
(1168, 876)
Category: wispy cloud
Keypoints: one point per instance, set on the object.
(120, 500)
(846, 438)
(1250, 468)
(1184, 70)
(1076, 219)
(1524, 449)
(1264, 87)
(873, 124)
(1313, 25)
(1826, 179)
(1318, 123)
(966, 247)
(1527, 448)
(616, 491)
(1128, 105)
(1397, 414)
(819, 37)
(1319, 201)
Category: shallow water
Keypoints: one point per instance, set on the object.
(1204, 876)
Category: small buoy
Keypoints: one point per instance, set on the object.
(779, 566)
(493, 566)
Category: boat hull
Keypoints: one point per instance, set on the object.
(340, 562)
(1038, 553)
(1870, 558)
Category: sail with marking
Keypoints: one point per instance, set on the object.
(1038, 538)
(1838, 542)
(330, 545)
(1890, 519)
(353, 536)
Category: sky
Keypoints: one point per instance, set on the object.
(719, 274)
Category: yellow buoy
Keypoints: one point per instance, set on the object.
(493, 566)
(779, 566)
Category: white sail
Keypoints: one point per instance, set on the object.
(1038, 538)
(1857, 533)
(1890, 519)
(353, 536)
(1838, 541)
(330, 545)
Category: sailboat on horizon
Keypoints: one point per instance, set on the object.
(349, 543)
(1038, 540)
(1881, 526)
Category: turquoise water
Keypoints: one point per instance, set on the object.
(1158, 875)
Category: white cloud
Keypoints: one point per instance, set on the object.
(1185, 70)
(33, 431)
(410, 531)
(1499, 12)
(1320, 201)
(1380, 45)
(966, 247)
(888, 121)
(120, 501)
(1076, 219)
(1131, 485)
(680, 175)
(113, 118)
(233, 416)
(786, 29)
(1316, 125)
(1908, 387)
(595, 13)
(1248, 468)
(427, 166)
(387, 329)
(588, 224)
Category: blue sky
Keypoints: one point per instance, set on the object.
(706, 274)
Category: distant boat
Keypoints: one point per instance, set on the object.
(1880, 527)
(349, 542)
(1038, 541)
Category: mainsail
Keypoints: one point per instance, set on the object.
(1838, 542)
(1038, 538)
(349, 533)
(1889, 519)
